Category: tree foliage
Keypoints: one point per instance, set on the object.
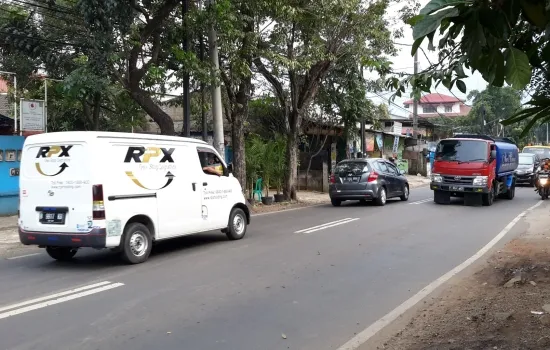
(506, 41)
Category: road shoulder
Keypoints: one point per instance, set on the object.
(501, 303)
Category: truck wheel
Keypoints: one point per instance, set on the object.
(136, 243)
(488, 198)
(382, 197)
(61, 253)
(511, 193)
(236, 228)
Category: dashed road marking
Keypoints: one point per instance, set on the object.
(22, 256)
(57, 298)
(327, 225)
(422, 201)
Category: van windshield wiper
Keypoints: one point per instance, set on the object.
(472, 160)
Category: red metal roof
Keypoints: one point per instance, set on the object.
(3, 86)
(435, 99)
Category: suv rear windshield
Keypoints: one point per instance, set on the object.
(525, 159)
(355, 168)
(462, 150)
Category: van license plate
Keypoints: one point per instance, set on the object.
(52, 218)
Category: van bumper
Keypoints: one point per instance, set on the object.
(96, 238)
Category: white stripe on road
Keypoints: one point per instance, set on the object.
(374, 328)
(326, 225)
(423, 201)
(22, 256)
(57, 295)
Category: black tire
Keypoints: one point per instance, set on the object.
(511, 193)
(382, 198)
(405, 196)
(335, 202)
(61, 253)
(487, 199)
(236, 227)
(137, 243)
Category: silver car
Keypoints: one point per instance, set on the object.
(372, 179)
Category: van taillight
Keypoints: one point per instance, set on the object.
(98, 204)
(373, 176)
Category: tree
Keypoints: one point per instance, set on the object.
(505, 41)
(307, 40)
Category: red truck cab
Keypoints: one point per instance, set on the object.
(476, 167)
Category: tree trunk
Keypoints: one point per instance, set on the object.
(239, 152)
(96, 111)
(163, 120)
(291, 176)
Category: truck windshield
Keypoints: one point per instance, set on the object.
(462, 151)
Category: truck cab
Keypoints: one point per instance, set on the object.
(476, 167)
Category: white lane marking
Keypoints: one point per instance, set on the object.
(59, 300)
(327, 225)
(287, 210)
(53, 296)
(374, 328)
(422, 201)
(23, 256)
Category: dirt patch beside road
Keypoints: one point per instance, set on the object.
(504, 305)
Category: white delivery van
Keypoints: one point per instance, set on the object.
(124, 192)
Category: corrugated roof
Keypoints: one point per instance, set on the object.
(435, 98)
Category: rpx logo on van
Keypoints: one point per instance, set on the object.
(144, 155)
(151, 159)
(54, 154)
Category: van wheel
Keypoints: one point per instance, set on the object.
(136, 243)
(236, 228)
(61, 253)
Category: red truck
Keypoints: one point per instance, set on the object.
(478, 168)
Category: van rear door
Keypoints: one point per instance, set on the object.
(55, 188)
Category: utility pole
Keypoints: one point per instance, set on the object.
(216, 91)
(415, 102)
(186, 101)
(546, 133)
(203, 97)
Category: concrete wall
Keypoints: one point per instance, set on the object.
(314, 180)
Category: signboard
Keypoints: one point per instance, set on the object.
(369, 142)
(395, 144)
(32, 115)
(14, 171)
(397, 128)
(379, 141)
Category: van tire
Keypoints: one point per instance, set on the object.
(236, 227)
(136, 243)
(61, 253)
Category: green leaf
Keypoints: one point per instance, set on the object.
(535, 13)
(436, 5)
(415, 19)
(416, 45)
(518, 70)
(430, 23)
(461, 86)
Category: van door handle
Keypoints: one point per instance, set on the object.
(205, 183)
(194, 184)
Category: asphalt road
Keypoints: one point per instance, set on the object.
(317, 286)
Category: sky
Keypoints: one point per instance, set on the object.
(404, 62)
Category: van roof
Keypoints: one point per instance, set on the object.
(88, 135)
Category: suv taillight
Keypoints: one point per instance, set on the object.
(332, 179)
(373, 176)
(98, 204)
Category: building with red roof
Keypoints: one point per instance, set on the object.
(439, 105)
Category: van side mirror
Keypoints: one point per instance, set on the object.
(493, 154)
